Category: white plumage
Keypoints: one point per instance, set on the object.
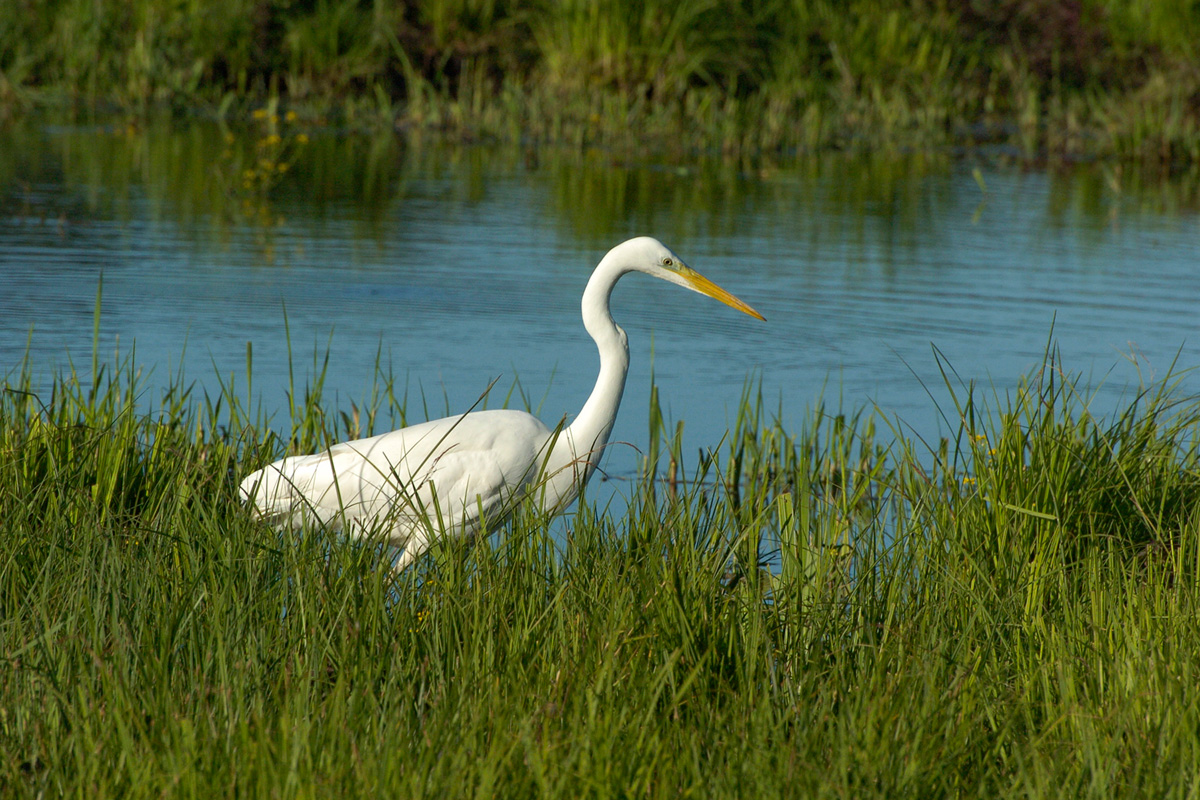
(451, 476)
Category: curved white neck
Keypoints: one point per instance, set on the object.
(588, 434)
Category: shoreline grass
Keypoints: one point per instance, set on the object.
(1108, 78)
(800, 614)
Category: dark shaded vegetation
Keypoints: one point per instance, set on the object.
(1096, 77)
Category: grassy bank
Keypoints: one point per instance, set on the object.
(1097, 77)
(809, 614)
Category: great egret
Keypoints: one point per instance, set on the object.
(452, 476)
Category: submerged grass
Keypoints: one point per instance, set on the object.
(1109, 77)
(834, 612)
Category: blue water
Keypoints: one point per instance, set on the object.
(468, 266)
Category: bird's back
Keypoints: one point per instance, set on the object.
(444, 475)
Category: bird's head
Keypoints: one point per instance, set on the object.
(649, 255)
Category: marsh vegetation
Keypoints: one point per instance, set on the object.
(1094, 77)
(833, 611)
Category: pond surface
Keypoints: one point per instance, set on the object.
(459, 265)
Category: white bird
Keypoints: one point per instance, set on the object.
(458, 475)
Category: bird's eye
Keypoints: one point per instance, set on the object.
(667, 262)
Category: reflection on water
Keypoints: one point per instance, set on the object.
(461, 264)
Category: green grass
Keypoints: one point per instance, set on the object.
(1058, 77)
(814, 614)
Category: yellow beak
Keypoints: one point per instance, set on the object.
(704, 286)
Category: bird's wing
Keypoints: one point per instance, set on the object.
(445, 474)
(463, 470)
